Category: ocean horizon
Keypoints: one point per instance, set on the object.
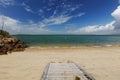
(69, 40)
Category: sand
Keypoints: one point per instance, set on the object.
(101, 62)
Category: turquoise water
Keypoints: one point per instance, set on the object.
(69, 40)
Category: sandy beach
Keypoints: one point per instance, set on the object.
(101, 62)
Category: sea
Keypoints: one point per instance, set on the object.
(69, 40)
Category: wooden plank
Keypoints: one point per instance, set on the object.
(65, 71)
(89, 76)
(45, 72)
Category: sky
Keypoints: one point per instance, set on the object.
(60, 16)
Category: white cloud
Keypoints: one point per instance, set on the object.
(74, 8)
(95, 29)
(16, 27)
(55, 20)
(5, 3)
(33, 29)
(27, 7)
(110, 28)
(116, 14)
(80, 14)
(10, 23)
(68, 8)
(64, 8)
(41, 13)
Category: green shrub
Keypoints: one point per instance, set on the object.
(4, 34)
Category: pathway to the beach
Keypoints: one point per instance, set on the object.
(65, 71)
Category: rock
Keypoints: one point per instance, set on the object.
(11, 44)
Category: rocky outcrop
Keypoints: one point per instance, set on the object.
(8, 45)
(11, 44)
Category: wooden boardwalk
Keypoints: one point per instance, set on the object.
(65, 71)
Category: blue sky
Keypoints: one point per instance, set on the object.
(60, 16)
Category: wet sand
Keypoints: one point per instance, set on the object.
(101, 62)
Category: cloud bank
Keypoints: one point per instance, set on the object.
(16, 27)
(116, 15)
(95, 29)
(110, 28)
